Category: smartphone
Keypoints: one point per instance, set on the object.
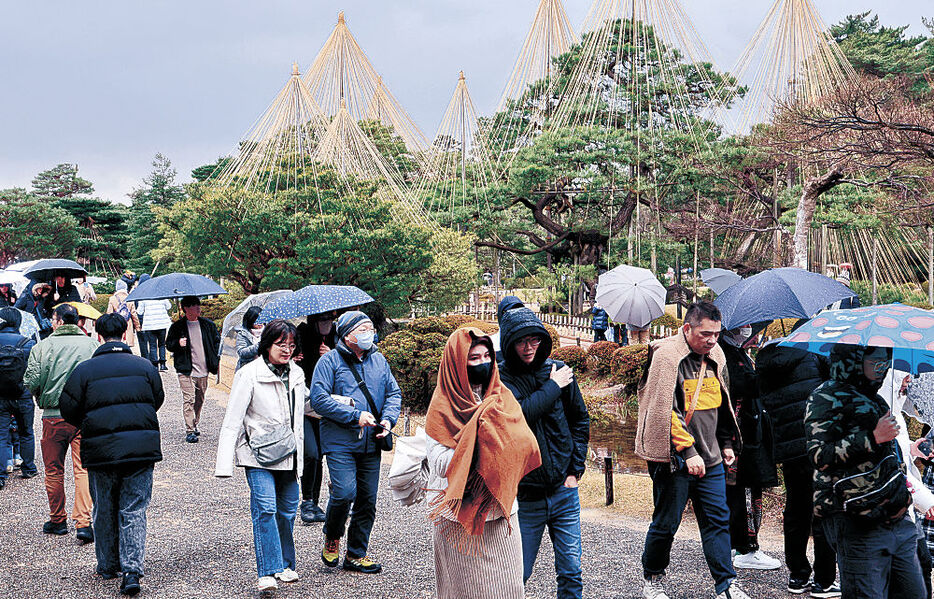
(925, 447)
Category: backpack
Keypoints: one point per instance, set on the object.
(124, 310)
(13, 368)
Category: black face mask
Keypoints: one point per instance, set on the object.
(479, 374)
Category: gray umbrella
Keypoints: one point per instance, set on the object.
(631, 295)
(44, 270)
(719, 279)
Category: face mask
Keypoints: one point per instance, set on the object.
(365, 340)
(324, 327)
(745, 333)
(479, 374)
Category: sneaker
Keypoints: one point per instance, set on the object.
(798, 586)
(191, 438)
(55, 528)
(362, 564)
(267, 583)
(652, 588)
(9, 467)
(163, 368)
(105, 575)
(331, 554)
(130, 584)
(85, 534)
(734, 592)
(319, 515)
(29, 474)
(197, 433)
(757, 560)
(287, 575)
(17, 462)
(825, 592)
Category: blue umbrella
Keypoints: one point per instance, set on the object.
(175, 285)
(778, 293)
(908, 331)
(719, 279)
(314, 299)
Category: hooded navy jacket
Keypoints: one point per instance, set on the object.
(558, 417)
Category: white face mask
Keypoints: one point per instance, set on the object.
(365, 340)
(745, 333)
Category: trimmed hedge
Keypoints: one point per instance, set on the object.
(487, 327)
(459, 320)
(628, 363)
(600, 357)
(667, 320)
(414, 354)
(573, 356)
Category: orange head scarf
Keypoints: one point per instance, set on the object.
(493, 446)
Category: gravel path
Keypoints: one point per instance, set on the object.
(200, 540)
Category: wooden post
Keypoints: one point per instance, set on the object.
(777, 234)
(407, 422)
(696, 237)
(875, 271)
(608, 476)
(711, 249)
(824, 249)
(678, 280)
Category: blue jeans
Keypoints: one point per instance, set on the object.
(121, 496)
(22, 411)
(273, 502)
(561, 512)
(876, 561)
(671, 491)
(354, 482)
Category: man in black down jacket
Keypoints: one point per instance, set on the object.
(554, 409)
(113, 399)
(787, 376)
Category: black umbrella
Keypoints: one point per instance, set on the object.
(175, 285)
(44, 270)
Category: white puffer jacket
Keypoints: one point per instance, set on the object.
(259, 402)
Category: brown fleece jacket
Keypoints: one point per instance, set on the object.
(657, 392)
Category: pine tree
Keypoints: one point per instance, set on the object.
(159, 189)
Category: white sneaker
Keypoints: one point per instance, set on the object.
(734, 592)
(287, 575)
(653, 589)
(756, 560)
(267, 583)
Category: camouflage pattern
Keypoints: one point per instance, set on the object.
(839, 421)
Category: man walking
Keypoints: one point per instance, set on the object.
(50, 364)
(194, 342)
(555, 411)
(113, 398)
(359, 401)
(15, 399)
(687, 431)
(600, 323)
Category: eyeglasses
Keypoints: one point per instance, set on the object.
(532, 342)
(285, 346)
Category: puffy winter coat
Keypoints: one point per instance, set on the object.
(558, 417)
(113, 398)
(259, 403)
(247, 347)
(601, 320)
(210, 337)
(786, 378)
(340, 430)
(154, 314)
(10, 336)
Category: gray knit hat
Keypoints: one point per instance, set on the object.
(348, 321)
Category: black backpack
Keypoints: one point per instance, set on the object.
(13, 369)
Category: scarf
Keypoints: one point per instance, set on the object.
(493, 446)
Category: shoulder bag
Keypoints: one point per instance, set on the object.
(384, 443)
(274, 446)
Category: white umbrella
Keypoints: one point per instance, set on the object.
(631, 295)
(235, 318)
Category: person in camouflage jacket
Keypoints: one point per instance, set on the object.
(850, 430)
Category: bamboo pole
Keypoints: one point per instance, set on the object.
(712, 264)
(875, 271)
(696, 237)
(930, 265)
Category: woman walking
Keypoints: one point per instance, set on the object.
(262, 431)
(248, 335)
(479, 448)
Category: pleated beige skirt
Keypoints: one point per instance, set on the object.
(496, 574)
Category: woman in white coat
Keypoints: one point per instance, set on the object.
(267, 400)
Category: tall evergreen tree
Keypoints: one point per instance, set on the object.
(61, 181)
(158, 189)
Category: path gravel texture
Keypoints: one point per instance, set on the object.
(200, 541)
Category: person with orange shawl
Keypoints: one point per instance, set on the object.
(479, 448)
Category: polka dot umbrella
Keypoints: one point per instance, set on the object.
(314, 299)
(908, 331)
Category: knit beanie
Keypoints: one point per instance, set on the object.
(348, 321)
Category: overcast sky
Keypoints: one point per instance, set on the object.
(106, 85)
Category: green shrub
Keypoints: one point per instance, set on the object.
(414, 354)
(667, 320)
(555, 337)
(600, 357)
(102, 301)
(487, 327)
(780, 328)
(459, 320)
(628, 363)
(572, 355)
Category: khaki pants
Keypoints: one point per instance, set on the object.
(193, 390)
(57, 435)
(639, 337)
